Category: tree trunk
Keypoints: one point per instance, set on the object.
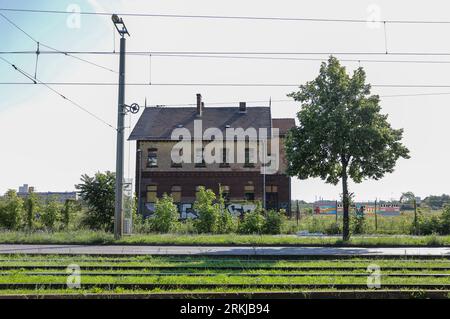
(345, 206)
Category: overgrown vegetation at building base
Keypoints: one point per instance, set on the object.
(95, 212)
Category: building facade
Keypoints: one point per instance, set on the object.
(242, 182)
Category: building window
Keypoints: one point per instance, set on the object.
(272, 197)
(180, 153)
(176, 194)
(225, 192)
(199, 158)
(152, 193)
(152, 158)
(225, 157)
(249, 192)
(249, 157)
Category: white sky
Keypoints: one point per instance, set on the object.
(48, 143)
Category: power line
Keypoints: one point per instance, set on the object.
(228, 53)
(51, 48)
(237, 57)
(224, 17)
(231, 84)
(293, 101)
(39, 82)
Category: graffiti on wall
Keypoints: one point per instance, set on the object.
(187, 211)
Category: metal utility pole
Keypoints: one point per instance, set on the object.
(118, 211)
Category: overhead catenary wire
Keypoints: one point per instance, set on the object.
(293, 101)
(229, 53)
(230, 84)
(36, 81)
(39, 43)
(233, 57)
(226, 17)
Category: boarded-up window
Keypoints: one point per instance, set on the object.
(271, 189)
(176, 193)
(152, 157)
(152, 191)
(225, 192)
(249, 192)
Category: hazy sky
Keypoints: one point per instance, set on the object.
(49, 143)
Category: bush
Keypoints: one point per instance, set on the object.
(274, 221)
(333, 229)
(11, 210)
(253, 222)
(358, 224)
(166, 215)
(227, 223)
(208, 213)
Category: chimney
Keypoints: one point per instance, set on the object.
(242, 107)
(200, 105)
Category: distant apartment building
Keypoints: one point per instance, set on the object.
(242, 183)
(61, 197)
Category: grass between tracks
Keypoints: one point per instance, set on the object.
(271, 275)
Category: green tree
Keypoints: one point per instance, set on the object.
(11, 210)
(437, 202)
(208, 212)
(67, 212)
(31, 207)
(445, 220)
(98, 194)
(341, 132)
(50, 214)
(227, 222)
(166, 215)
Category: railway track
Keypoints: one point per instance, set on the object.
(239, 277)
(178, 268)
(200, 286)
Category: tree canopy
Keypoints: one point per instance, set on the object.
(98, 193)
(341, 132)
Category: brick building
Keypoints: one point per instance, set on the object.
(242, 183)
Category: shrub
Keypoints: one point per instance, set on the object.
(11, 210)
(333, 229)
(358, 224)
(253, 222)
(208, 213)
(227, 223)
(274, 221)
(166, 215)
